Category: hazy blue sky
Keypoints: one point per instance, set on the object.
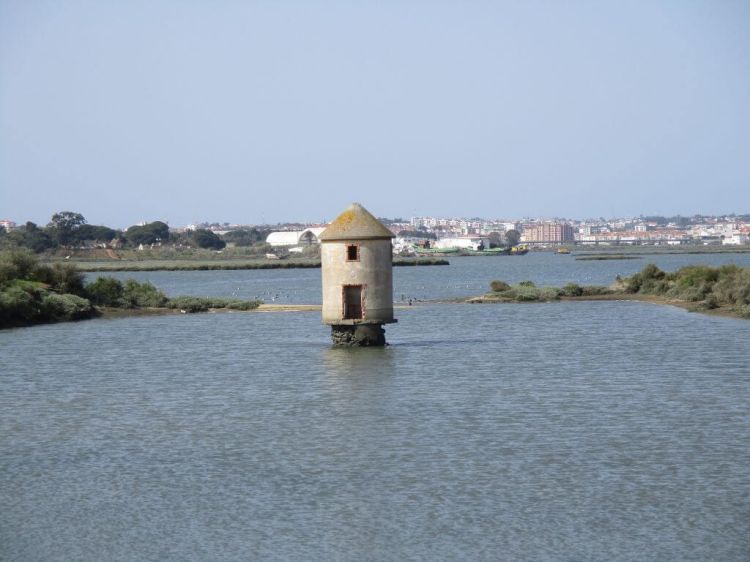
(273, 111)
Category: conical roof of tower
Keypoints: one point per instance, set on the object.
(356, 223)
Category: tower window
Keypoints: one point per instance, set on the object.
(352, 252)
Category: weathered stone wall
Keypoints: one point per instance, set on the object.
(373, 270)
(363, 335)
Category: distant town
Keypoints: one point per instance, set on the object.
(476, 233)
(410, 235)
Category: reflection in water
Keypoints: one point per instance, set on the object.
(358, 363)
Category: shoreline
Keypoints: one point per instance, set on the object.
(112, 313)
(725, 312)
(235, 264)
(224, 265)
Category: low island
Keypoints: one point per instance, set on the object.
(723, 290)
(32, 292)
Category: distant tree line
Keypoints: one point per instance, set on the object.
(68, 229)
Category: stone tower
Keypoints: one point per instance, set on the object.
(357, 269)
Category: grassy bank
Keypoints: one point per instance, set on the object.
(224, 265)
(406, 262)
(34, 293)
(724, 289)
(191, 265)
(527, 291)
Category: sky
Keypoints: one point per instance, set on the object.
(263, 112)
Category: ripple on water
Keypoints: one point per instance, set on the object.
(566, 431)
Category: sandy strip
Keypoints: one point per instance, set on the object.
(287, 307)
(305, 307)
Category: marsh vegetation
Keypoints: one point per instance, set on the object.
(36, 293)
(702, 288)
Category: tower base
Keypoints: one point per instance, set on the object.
(359, 335)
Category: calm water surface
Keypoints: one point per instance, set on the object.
(466, 276)
(565, 431)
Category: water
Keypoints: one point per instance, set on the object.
(564, 431)
(466, 276)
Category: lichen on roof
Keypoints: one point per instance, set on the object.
(356, 223)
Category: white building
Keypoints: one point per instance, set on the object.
(464, 242)
(405, 244)
(305, 237)
(736, 239)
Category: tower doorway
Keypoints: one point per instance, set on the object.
(352, 302)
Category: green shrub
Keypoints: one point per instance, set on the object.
(526, 296)
(206, 239)
(661, 287)
(651, 286)
(68, 279)
(105, 291)
(571, 290)
(645, 281)
(730, 270)
(61, 277)
(244, 305)
(527, 284)
(593, 290)
(499, 286)
(633, 284)
(8, 272)
(19, 264)
(711, 302)
(526, 293)
(142, 294)
(692, 294)
(18, 304)
(652, 272)
(202, 304)
(733, 286)
(696, 275)
(56, 307)
(189, 304)
(548, 294)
